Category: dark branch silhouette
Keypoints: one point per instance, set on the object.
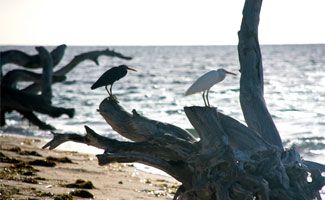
(37, 96)
(230, 161)
(23, 59)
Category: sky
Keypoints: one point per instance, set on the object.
(155, 22)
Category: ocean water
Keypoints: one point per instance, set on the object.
(294, 90)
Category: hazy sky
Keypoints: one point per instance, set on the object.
(155, 22)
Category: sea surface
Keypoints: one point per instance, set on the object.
(294, 89)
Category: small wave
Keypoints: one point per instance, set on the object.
(171, 112)
(132, 88)
(235, 90)
(71, 82)
(288, 109)
(308, 144)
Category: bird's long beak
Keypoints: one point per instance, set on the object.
(129, 68)
(230, 73)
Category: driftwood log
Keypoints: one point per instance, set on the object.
(23, 59)
(37, 96)
(229, 161)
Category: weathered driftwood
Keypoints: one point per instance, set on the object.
(136, 127)
(27, 100)
(20, 58)
(33, 61)
(14, 76)
(19, 100)
(25, 103)
(30, 61)
(47, 75)
(92, 55)
(252, 101)
(230, 161)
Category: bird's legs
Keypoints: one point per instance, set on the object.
(108, 91)
(203, 95)
(111, 96)
(207, 97)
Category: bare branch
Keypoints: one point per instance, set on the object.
(252, 101)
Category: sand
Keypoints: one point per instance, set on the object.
(114, 182)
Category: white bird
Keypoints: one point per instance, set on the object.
(206, 81)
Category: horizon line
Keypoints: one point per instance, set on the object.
(158, 45)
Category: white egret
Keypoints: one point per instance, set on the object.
(206, 81)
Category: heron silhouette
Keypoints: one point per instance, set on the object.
(206, 81)
(110, 76)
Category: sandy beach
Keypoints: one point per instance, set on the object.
(27, 172)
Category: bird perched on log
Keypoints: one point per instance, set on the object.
(110, 76)
(206, 81)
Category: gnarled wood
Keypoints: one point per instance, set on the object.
(213, 128)
(32, 118)
(15, 99)
(229, 161)
(136, 127)
(153, 152)
(242, 166)
(47, 75)
(19, 100)
(25, 103)
(27, 100)
(14, 76)
(30, 61)
(252, 100)
(92, 55)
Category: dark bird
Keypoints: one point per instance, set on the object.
(110, 76)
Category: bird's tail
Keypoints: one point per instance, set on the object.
(188, 92)
(94, 86)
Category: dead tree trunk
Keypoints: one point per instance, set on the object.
(230, 161)
(25, 103)
(92, 55)
(30, 61)
(27, 100)
(252, 100)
